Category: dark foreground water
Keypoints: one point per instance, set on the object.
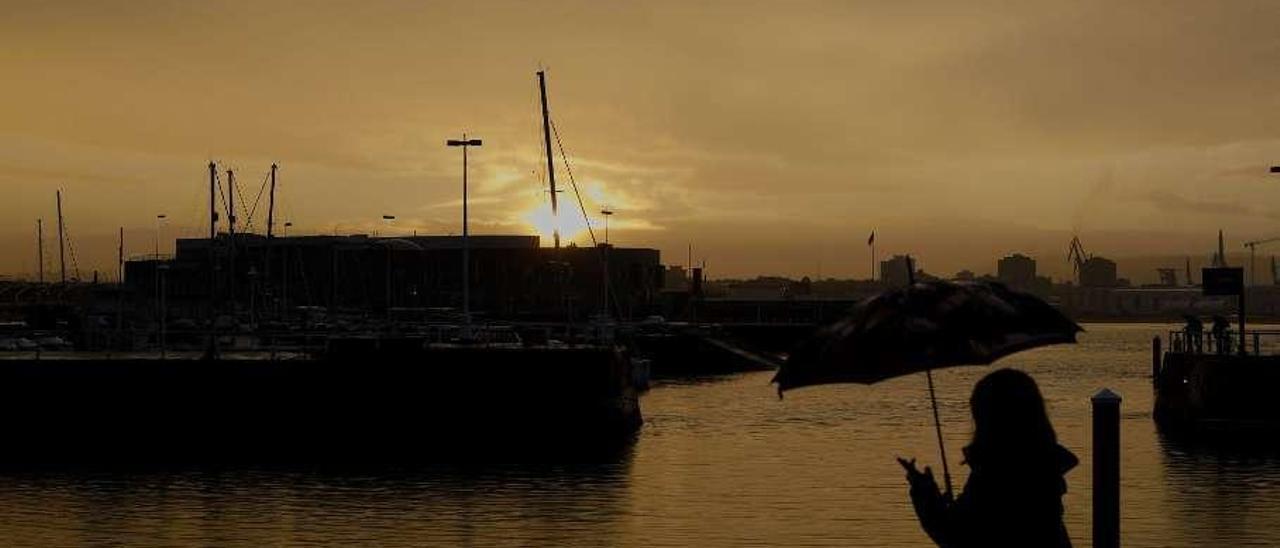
(721, 462)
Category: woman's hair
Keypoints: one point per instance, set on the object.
(1009, 415)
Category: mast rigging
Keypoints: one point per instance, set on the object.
(551, 169)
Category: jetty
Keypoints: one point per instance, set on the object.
(1218, 382)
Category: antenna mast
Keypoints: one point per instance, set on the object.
(551, 168)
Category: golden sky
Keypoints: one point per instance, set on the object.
(772, 135)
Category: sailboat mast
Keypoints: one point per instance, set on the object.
(551, 168)
(271, 222)
(213, 210)
(119, 291)
(213, 259)
(271, 204)
(231, 205)
(213, 235)
(40, 248)
(231, 233)
(62, 244)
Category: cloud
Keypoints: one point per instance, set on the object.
(734, 122)
(1176, 204)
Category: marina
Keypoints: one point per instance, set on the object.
(653, 274)
(815, 469)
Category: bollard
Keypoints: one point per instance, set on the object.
(1106, 469)
(1155, 358)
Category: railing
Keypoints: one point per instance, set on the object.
(145, 257)
(1260, 342)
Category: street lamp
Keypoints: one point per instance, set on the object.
(387, 273)
(466, 242)
(1253, 246)
(161, 272)
(284, 277)
(607, 213)
(605, 263)
(159, 219)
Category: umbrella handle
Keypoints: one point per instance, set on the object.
(937, 425)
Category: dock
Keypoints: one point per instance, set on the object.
(1208, 387)
(441, 402)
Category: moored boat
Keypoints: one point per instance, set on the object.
(394, 401)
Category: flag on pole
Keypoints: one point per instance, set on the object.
(872, 239)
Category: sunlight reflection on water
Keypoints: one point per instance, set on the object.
(721, 462)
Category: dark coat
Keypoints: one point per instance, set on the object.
(1008, 500)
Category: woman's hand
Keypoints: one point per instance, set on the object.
(931, 506)
(922, 483)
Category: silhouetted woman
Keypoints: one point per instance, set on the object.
(1014, 493)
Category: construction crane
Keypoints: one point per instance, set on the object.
(1253, 246)
(1077, 256)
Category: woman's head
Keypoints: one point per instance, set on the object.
(1008, 412)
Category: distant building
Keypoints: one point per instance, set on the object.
(1017, 270)
(894, 271)
(1098, 272)
(761, 287)
(510, 276)
(965, 275)
(676, 278)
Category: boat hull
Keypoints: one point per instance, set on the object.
(437, 404)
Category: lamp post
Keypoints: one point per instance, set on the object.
(387, 221)
(1252, 275)
(159, 221)
(466, 242)
(604, 299)
(387, 273)
(284, 274)
(607, 213)
(161, 271)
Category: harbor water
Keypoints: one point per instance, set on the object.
(720, 462)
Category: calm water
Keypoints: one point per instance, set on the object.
(721, 462)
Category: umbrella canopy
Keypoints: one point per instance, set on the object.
(925, 326)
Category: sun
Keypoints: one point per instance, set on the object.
(572, 227)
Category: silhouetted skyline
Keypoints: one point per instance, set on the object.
(773, 138)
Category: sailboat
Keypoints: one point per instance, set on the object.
(406, 397)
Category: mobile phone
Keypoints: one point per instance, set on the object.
(908, 465)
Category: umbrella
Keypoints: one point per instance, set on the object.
(922, 327)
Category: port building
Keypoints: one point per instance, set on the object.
(510, 276)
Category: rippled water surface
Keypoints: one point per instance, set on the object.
(721, 462)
